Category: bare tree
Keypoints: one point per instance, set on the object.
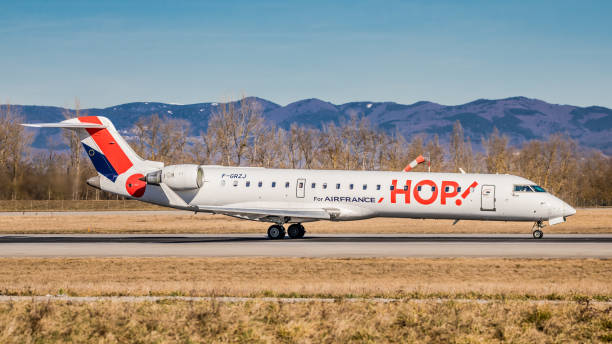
(394, 155)
(460, 149)
(332, 146)
(204, 149)
(235, 127)
(553, 165)
(161, 139)
(307, 145)
(436, 154)
(498, 155)
(14, 144)
(293, 149)
(71, 138)
(269, 148)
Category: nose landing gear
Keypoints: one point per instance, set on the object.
(537, 230)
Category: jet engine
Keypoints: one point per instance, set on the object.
(178, 177)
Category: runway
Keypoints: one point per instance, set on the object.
(329, 245)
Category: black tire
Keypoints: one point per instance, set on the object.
(276, 232)
(295, 231)
(302, 231)
(538, 234)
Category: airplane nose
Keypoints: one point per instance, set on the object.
(568, 210)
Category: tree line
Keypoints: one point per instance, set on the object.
(238, 135)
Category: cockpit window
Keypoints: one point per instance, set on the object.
(528, 188)
(522, 188)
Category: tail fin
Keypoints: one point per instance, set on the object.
(108, 151)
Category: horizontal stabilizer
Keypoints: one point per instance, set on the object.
(64, 125)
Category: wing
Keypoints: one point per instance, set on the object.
(268, 213)
(274, 214)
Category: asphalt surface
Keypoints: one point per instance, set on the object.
(330, 245)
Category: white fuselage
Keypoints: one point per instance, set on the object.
(353, 195)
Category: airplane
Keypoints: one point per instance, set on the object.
(296, 196)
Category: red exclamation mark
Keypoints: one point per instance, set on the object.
(466, 192)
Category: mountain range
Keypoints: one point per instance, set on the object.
(520, 118)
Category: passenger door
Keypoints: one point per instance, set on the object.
(300, 188)
(487, 198)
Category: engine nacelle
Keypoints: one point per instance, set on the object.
(178, 177)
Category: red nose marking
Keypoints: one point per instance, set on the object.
(134, 186)
(466, 192)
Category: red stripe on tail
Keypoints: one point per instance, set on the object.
(110, 148)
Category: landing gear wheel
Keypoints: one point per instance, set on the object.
(538, 234)
(276, 232)
(296, 231)
(537, 229)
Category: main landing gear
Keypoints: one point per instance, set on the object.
(537, 230)
(295, 231)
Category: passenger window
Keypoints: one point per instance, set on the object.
(351, 186)
(392, 188)
(324, 185)
(405, 187)
(419, 188)
(338, 186)
(300, 185)
(260, 184)
(247, 184)
(377, 186)
(313, 185)
(459, 189)
(286, 184)
(433, 188)
(365, 186)
(273, 184)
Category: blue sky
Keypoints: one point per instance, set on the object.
(450, 52)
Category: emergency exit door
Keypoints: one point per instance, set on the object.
(487, 198)
(300, 188)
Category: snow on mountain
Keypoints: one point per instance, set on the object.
(519, 118)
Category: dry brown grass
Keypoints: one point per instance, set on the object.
(511, 317)
(585, 221)
(313, 322)
(368, 277)
(79, 205)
